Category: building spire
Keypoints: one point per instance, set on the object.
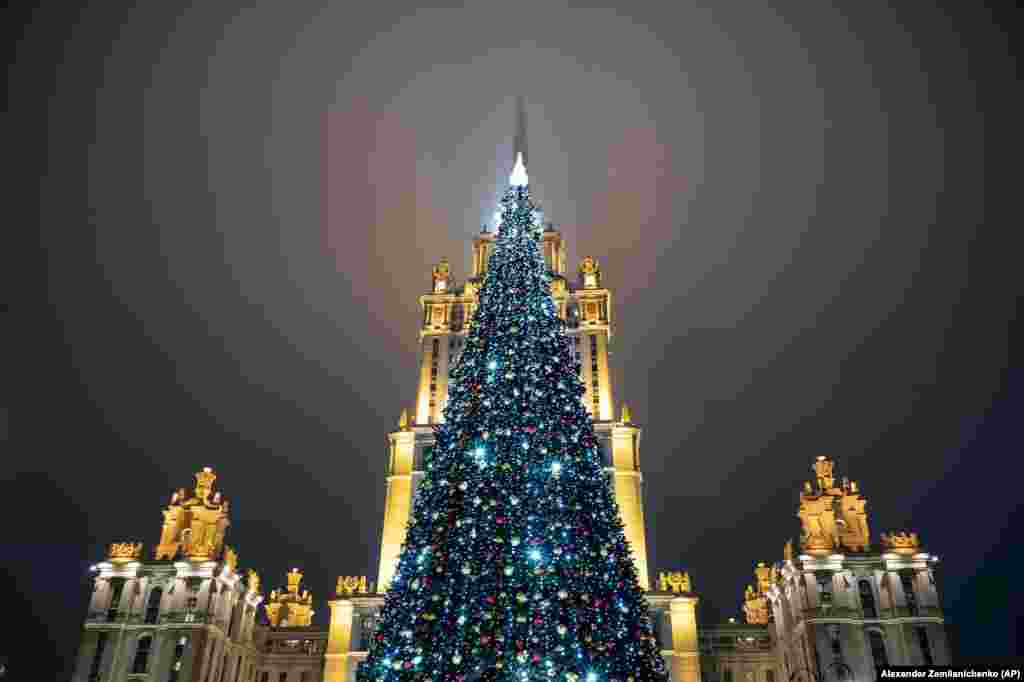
(520, 143)
(518, 178)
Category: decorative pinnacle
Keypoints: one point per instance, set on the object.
(204, 482)
(519, 177)
(520, 143)
(294, 578)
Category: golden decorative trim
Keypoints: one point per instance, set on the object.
(121, 552)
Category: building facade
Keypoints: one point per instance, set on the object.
(842, 608)
(187, 615)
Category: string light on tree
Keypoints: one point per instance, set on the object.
(515, 564)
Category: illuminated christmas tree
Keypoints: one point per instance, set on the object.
(515, 565)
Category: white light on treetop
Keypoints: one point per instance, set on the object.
(518, 177)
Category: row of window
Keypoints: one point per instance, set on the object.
(435, 351)
(304, 676)
(876, 642)
(867, 596)
(140, 660)
(728, 675)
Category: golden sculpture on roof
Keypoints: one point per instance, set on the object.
(590, 273)
(204, 483)
(901, 542)
(674, 581)
(755, 597)
(230, 557)
(290, 609)
(832, 518)
(351, 584)
(823, 471)
(627, 417)
(253, 582)
(441, 276)
(194, 524)
(121, 552)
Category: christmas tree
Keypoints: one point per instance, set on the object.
(515, 564)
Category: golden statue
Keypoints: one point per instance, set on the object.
(441, 276)
(902, 542)
(674, 581)
(121, 552)
(290, 609)
(194, 525)
(403, 421)
(590, 272)
(254, 581)
(755, 607)
(787, 551)
(627, 418)
(351, 584)
(764, 577)
(294, 578)
(823, 472)
(230, 558)
(755, 599)
(204, 483)
(832, 518)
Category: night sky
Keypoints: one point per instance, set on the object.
(805, 212)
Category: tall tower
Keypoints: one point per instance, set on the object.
(586, 307)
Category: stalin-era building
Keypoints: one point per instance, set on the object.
(834, 609)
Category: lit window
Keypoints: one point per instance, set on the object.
(867, 598)
(878, 650)
(142, 654)
(922, 642)
(153, 606)
(97, 658)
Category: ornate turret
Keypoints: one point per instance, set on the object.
(194, 522)
(832, 517)
(290, 609)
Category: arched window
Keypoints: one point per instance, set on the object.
(179, 654)
(153, 605)
(907, 581)
(824, 579)
(116, 588)
(922, 641)
(97, 658)
(867, 598)
(878, 650)
(142, 654)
